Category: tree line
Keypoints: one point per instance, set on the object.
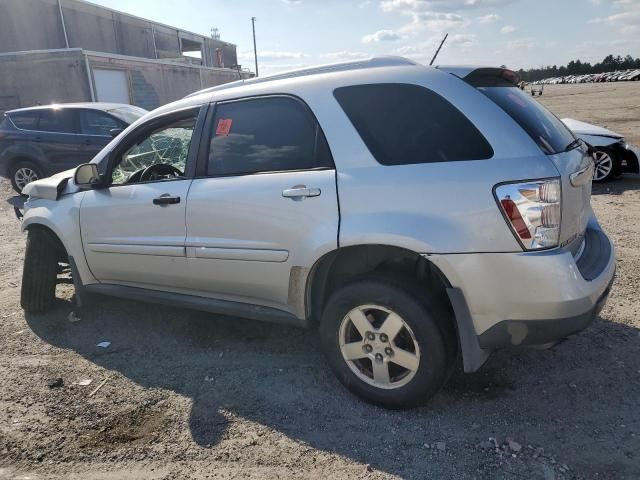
(576, 67)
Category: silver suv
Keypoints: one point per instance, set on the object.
(411, 214)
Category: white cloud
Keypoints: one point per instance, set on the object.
(463, 40)
(272, 55)
(292, 2)
(344, 55)
(434, 21)
(626, 21)
(507, 29)
(491, 18)
(268, 55)
(438, 5)
(423, 51)
(521, 44)
(381, 36)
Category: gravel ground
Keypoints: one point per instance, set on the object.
(190, 395)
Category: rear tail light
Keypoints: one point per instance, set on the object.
(533, 211)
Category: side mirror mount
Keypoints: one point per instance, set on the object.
(87, 176)
(114, 132)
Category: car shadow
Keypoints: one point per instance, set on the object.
(617, 185)
(275, 376)
(17, 201)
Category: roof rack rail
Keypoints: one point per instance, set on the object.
(373, 62)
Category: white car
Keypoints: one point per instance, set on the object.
(613, 156)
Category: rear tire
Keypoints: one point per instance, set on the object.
(39, 274)
(22, 173)
(422, 342)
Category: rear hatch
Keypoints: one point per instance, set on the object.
(571, 156)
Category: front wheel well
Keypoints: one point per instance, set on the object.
(56, 243)
(347, 264)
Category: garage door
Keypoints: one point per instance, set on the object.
(111, 85)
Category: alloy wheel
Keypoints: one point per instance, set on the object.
(24, 176)
(379, 346)
(603, 165)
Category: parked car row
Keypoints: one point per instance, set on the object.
(39, 141)
(617, 76)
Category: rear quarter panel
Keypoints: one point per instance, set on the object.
(445, 207)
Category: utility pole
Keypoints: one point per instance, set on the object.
(438, 51)
(255, 50)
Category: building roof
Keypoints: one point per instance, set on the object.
(119, 12)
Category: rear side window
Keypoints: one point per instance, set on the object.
(57, 121)
(551, 135)
(25, 120)
(404, 124)
(94, 122)
(265, 135)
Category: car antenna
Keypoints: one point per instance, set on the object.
(438, 51)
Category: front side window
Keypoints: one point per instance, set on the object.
(57, 121)
(94, 122)
(404, 124)
(156, 156)
(265, 135)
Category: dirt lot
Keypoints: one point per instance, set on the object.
(190, 395)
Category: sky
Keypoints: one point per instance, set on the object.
(516, 33)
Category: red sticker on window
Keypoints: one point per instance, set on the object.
(224, 126)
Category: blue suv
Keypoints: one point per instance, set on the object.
(39, 141)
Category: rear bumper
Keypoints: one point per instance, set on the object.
(538, 332)
(528, 298)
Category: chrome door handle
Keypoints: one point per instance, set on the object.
(300, 192)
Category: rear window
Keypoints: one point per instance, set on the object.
(25, 120)
(404, 124)
(551, 135)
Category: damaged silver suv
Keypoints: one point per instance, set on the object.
(411, 214)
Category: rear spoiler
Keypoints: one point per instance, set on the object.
(485, 76)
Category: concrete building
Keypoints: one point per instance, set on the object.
(55, 51)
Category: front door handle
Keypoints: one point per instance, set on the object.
(300, 192)
(166, 199)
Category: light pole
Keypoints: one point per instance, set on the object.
(255, 50)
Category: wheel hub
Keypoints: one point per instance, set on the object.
(379, 346)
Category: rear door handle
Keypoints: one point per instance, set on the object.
(301, 191)
(166, 199)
